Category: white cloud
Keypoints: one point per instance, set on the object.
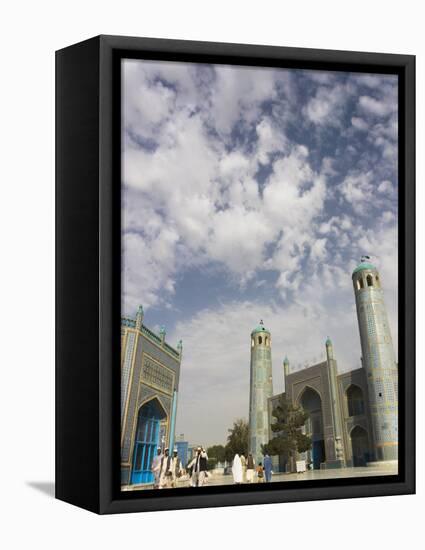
(270, 140)
(385, 187)
(358, 190)
(377, 107)
(210, 198)
(318, 249)
(359, 123)
(328, 104)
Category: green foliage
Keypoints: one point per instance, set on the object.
(216, 452)
(212, 462)
(287, 427)
(237, 440)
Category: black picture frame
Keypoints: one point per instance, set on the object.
(88, 273)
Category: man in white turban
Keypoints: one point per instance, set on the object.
(237, 469)
(199, 467)
(156, 466)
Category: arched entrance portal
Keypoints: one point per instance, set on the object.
(359, 446)
(311, 402)
(146, 440)
(355, 402)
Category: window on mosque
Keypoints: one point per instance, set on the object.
(355, 401)
(361, 283)
(369, 280)
(377, 280)
(260, 340)
(265, 341)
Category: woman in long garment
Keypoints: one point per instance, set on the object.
(237, 469)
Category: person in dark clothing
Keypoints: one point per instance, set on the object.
(199, 466)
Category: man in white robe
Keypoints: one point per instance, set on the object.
(243, 462)
(237, 469)
(165, 474)
(176, 468)
(250, 467)
(156, 465)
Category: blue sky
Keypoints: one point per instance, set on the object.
(251, 193)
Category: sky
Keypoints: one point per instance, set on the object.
(251, 193)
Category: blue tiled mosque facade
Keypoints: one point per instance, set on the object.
(150, 372)
(353, 415)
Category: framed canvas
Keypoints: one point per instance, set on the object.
(235, 274)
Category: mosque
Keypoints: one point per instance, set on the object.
(150, 371)
(352, 415)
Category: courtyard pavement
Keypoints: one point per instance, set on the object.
(377, 469)
(337, 473)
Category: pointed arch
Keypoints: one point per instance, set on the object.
(355, 400)
(146, 440)
(311, 401)
(359, 446)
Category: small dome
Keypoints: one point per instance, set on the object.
(260, 328)
(328, 341)
(286, 361)
(362, 266)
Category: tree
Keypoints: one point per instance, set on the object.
(237, 440)
(216, 452)
(288, 424)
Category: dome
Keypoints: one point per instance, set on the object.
(328, 341)
(362, 266)
(260, 328)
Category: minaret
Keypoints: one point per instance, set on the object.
(261, 388)
(162, 333)
(139, 318)
(378, 359)
(334, 402)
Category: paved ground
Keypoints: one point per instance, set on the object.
(376, 470)
(220, 479)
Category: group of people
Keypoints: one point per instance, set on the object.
(244, 469)
(167, 469)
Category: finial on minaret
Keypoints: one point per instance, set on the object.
(286, 366)
(139, 317)
(329, 348)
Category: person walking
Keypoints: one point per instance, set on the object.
(237, 469)
(165, 474)
(243, 462)
(260, 473)
(250, 466)
(199, 466)
(156, 465)
(268, 468)
(176, 468)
